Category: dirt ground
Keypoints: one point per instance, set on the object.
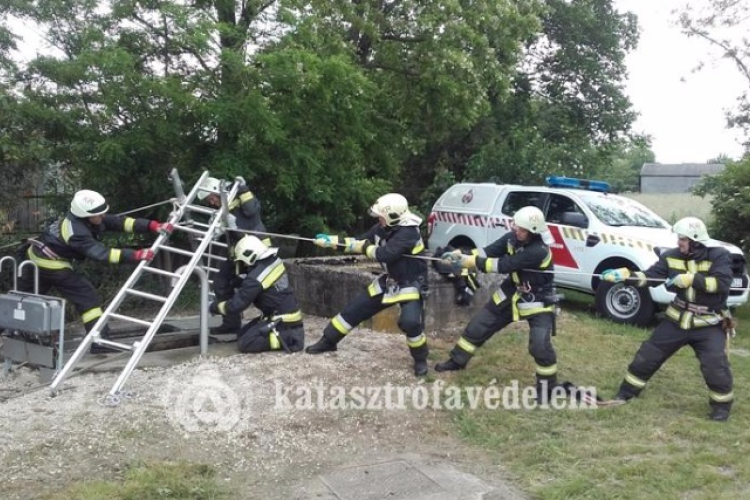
(233, 413)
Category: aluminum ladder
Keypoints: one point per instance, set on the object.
(202, 235)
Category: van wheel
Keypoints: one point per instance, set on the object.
(624, 303)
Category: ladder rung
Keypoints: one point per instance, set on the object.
(124, 347)
(191, 230)
(162, 272)
(146, 295)
(177, 250)
(131, 319)
(200, 209)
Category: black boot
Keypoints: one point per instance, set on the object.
(448, 366)
(225, 328)
(420, 367)
(321, 346)
(719, 413)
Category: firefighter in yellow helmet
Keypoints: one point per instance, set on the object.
(524, 295)
(390, 242)
(700, 274)
(77, 236)
(260, 279)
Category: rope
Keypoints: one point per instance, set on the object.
(302, 238)
(139, 209)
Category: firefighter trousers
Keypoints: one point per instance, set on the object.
(364, 306)
(224, 281)
(494, 317)
(72, 286)
(708, 343)
(255, 337)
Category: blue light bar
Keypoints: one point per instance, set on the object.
(573, 183)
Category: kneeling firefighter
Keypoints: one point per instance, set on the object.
(260, 279)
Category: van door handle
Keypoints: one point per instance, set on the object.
(592, 240)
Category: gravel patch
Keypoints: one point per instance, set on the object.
(256, 418)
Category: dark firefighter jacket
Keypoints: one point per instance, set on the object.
(531, 292)
(266, 286)
(246, 210)
(73, 238)
(702, 303)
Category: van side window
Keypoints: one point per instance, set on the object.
(519, 199)
(559, 205)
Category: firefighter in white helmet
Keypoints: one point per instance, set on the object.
(524, 295)
(260, 280)
(700, 274)
(390, 242)
(244, 215)
(77, 236)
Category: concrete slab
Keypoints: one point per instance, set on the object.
(406, 477)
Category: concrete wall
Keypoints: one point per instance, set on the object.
(323, 286)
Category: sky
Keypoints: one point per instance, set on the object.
(683, 111)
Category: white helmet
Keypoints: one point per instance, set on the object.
(211, 185)
(250, 249)
(392, 207)
(531, 219)
(692, 228)
(87, 203)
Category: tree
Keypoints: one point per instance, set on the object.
(623, 172)
(730, 202)
(724, 24)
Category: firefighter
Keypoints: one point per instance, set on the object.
(245, 215)
(524, 295)
(700, 275)
(391, 242)
(75, 237)
(260, 279)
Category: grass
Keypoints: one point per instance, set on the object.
(674, 206)
(658, 446)
(151, 481)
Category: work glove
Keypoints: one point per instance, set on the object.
(457, 261)
(323, 240)
(144, 254)
(160, 227)
(684, 280)
(216, 308)
(355, 246)
(616, 275)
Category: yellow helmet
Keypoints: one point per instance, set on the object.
(250, 249)
(531, 219)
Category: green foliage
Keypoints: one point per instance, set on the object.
(730, 200)
(152, 481)
(624, 171)
(723, 25)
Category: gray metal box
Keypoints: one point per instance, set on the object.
(31, 313)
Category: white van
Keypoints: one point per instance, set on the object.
(594, 230)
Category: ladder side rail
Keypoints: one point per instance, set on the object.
(141, 346)
(85, 345)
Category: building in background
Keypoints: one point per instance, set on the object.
(675, 178)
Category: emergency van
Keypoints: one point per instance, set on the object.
(593, 229)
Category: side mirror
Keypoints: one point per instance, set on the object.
(575, 219)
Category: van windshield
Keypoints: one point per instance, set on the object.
(619, 211)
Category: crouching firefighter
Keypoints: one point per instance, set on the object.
(465, 282)
(700, 275)
(391, 242)
(74, 237)
(260, 279)
(524, 295)
(244, 215)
